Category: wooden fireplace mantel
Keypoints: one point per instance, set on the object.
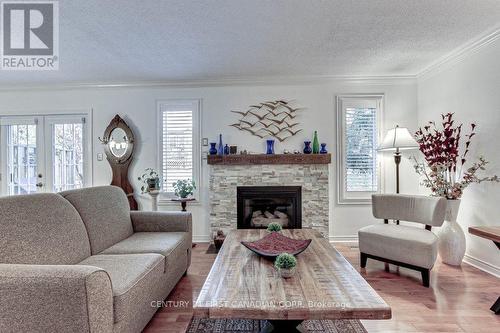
(253, 159)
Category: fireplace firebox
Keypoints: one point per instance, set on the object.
(258, 206)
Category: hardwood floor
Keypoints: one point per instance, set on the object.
(457, 301)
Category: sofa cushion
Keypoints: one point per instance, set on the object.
(105, 212)
(136, 280)
(150, 242)
(42, 229)
(411, 245)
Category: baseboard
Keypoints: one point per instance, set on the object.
(482, 265)
(344, 239)
(201, 239)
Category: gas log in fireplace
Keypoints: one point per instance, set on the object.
(260, 205)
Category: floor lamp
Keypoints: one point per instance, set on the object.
(396, 140)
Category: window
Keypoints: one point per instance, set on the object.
(43, 154)
(179, 142)
(358, 128)
(67, 150)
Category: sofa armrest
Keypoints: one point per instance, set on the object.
(161, 221)
(55, 298)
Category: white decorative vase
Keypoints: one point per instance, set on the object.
(451, 242)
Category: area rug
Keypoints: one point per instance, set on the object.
(203, 325)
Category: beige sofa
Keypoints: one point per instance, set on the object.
(81, 261)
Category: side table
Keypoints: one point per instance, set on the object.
(493, 234)
(183, 202)
(154, 200)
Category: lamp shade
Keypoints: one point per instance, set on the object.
(398, 138)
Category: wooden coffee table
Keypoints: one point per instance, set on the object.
(243, 285)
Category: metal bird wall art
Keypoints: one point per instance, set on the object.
(269, 118)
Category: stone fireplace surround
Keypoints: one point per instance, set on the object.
(311, 172)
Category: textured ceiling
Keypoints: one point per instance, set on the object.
(151, 40)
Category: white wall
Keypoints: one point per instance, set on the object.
(471, 89)
(138, 106)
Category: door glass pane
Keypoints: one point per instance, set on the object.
(67, 156)
(21, 159)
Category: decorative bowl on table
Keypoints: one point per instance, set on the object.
(275, 243)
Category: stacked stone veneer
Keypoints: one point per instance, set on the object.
(313, 178)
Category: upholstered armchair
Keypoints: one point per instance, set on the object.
(402, 245)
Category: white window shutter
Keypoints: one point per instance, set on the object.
(360, 150)
(177, 144)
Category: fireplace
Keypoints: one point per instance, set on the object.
(258, 206)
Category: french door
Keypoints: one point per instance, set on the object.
(44, 154)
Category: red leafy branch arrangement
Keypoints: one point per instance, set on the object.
(443, 167)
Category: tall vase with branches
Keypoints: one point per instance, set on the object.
(445, 172)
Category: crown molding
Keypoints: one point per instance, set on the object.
(222, 82)
(459, 54)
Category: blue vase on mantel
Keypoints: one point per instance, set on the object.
(270, 147)
(213, 149)
(307, 148)
(226, 149)
(220, 150)
(323, 149)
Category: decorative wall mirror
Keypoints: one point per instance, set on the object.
(118, 143)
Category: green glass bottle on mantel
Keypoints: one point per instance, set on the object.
(315, 143)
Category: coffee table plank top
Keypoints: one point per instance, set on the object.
(242, 284)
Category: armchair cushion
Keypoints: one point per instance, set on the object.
(406, 244)
(135, 279)
(75, 298)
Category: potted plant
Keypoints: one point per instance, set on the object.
(184, 188)
(445, 173)
(285, 264)
(274, 227)
(150, 180)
